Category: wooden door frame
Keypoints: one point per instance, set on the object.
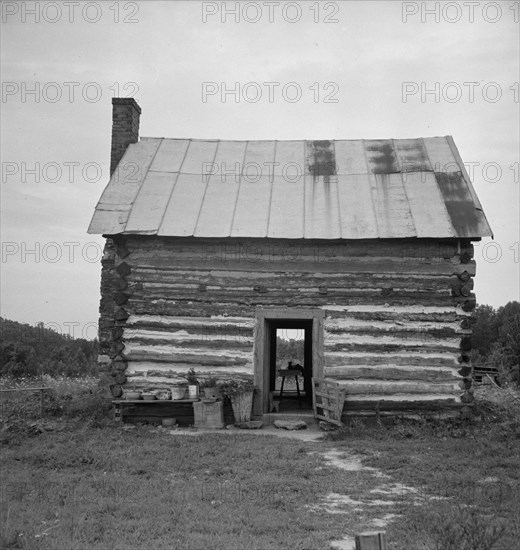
(261, 347)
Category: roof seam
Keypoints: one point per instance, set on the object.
(370, 178)
(205, 190)
(238, 190)
(173, 186)
(399, 165)
(448, 217)
(271, 194)
(337, 192)
(304, 187)
(142, 185)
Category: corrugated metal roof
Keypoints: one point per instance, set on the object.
(337, 189)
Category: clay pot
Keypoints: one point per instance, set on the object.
(168, 422)
(132, 395)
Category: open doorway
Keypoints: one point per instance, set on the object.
(290, 364)
(286, 335)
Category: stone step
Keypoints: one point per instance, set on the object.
(306, 415)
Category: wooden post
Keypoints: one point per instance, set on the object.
(371, 540)
(41, 402)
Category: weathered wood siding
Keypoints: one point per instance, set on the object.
(396, 311)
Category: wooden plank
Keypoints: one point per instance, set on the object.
(402, 403)
(393, 372)
(396, 387)
(342, 359)
(328, 398)
(278, 288)
(347, 324)
(265, 263)
(164, 277)
(412, 248)
(171, 353)
(252, 297)
(386, 312)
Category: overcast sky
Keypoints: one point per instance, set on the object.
(364, 70)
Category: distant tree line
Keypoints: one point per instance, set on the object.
(28, 351)
(496, 340)
(289, 350)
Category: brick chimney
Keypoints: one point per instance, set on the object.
(125, 127)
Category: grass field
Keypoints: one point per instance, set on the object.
(81, 482)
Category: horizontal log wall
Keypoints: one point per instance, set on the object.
(396, 312)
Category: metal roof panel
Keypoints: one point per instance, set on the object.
(357, 215)
(393, 216)
(286, 209)
(322, 208)
(249, 220)
(170, 155)
(350, 157)
(427, 207)
(440, 155)
(290, 159)
(182, 211)
(150, 203)
(113, 208)
(199, 157)
(381, 157)
(322, 189)
(218, 205)
(412, 155)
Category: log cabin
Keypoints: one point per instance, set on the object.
(363, 245)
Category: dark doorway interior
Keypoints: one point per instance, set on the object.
(286, 329)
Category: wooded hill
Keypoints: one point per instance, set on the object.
(28, 351)
(496, 339)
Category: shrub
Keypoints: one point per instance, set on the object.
(235, 386)
(72, 397)
(459, 526)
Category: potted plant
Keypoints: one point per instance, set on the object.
(211, 390)
(193, 384)
(240, 392)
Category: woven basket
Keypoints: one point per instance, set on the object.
(178, 392)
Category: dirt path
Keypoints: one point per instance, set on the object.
(385, 496)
